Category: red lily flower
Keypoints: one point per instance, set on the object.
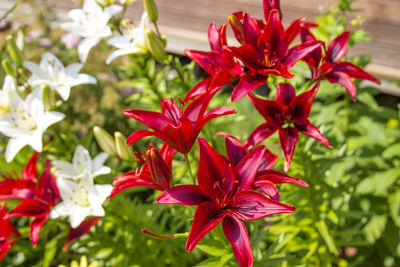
(330, 66)
(155, 174)
(265, 52)
(223, 195)
(288, 114)
(8, 235)
(265, 179)
(218, 63)
(39, 197)
(179, 128)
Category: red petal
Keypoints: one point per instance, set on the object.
(167, 152)
(213, 169)
(131, 179)
(139, 134)
(196, 109)
(354, 72)
(29, 172)
(237, 27)
(285, 93)
(235, 150)
(47, 187)
(288, 138)
(268, 161)
(154, 120)
(82, 229)
(259, 134)
(268, 188)
(270, 110)
(313, 132)
(251, 29)
(206, 217)
(211, 62)
(246, 170)
(29, 208)
(217, 38)
(280, 178)
(188, 195)
(248, 55)
(314, 58)
(17, 189)
(344, 80)
(236, 233)
(274, 36)
(250, 205)
(248, 82)
(298, 52)
(269, 5)
(301, 105)
(215, 113)
(296, 26)
(337, 48)
(198, 89)
(36, 225)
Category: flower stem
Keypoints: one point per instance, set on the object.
(189, 168)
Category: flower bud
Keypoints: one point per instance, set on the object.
(9, 68)
(105, 3)
(155, 44)
(151, 9)
(14, 51)
(48, 98)
(124, 151)
(159, 169)
(105, 141)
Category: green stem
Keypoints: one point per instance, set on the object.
(11, 9)
(189, 168)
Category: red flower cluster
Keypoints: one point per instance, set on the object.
(240, 187)
(38, 197)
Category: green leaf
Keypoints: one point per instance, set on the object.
(212, 247)
(392, 238)
(378, 183)
(373, 230)
(50, 252)
(392, 151)
(394, 207)
(326, 236)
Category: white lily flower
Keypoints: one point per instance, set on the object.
(81, 162)
(132, 41)
(90, 22)
(51, 71)
(26, 123)
(80, 199)
(8, 96)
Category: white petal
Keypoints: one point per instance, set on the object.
(35, 140)
(52, 117)
(112, 10)
(36, 71)
(64, 92)
(103, 191)
(83, 79)
(13, 147)
(119, 53)
(77, 216)
(73, 69)
(62, 209)
(121, 41)
(99, 160)
(84, 47)
(82, 160)
(65, 169)
(66, 188)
